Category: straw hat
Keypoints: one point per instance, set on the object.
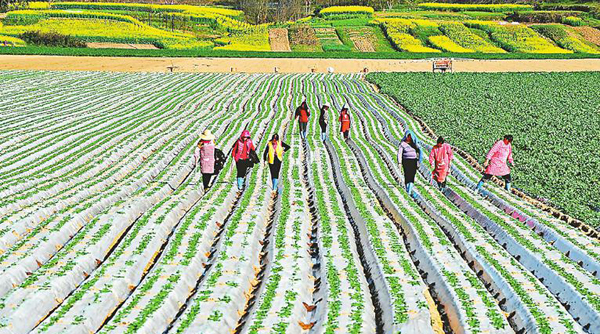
(345, 106)
(326, 105)
(207, 135)
(303, 98)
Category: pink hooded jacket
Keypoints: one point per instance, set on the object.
(497, 156)
(440, 159)
(241, 149)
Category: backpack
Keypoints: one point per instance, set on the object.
(219, 160)
(253, 157)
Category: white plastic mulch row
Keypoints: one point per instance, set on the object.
(68, 265)
(145, 239)
(348, 300)
(289, 283)
(571, 274)
(223, 298)
(469, 305)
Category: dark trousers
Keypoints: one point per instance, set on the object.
(242, 167)
(346, 134)
(303, 126)
(206, 180)
(409, 166)
(275, 167)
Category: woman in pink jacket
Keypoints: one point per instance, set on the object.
(210, 158)
(495, 162)
(440, 159)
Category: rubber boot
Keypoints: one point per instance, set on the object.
(409, 188)
(479, 185)
(507, 186)
(275, 181)
(240, 183)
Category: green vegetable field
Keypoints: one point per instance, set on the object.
(106, 225)
(555, 119)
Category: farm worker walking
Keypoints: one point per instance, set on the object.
(495, 162)
(209, 156)
(302, 114)
(323, 121)
(409, 156)
(440, 159)
(345, 121)
(274, 156)
(241, 152)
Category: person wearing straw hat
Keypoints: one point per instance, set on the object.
(345, 121)
(302, 114)
(205, 153)
(323, 121)
(241, 152)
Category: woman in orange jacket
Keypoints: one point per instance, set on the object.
(345, 121)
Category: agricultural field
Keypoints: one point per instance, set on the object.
(426, 29)
(553, 116)
(105, 226)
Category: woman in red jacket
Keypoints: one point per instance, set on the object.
(241, 154)
(302, 114)
(345, 121)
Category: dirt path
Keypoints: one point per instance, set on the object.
(283, 65)
(121, 46)
(278, 38)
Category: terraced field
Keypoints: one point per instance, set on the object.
(105, 228)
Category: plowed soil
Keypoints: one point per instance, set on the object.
(278, 38)
(590, 34)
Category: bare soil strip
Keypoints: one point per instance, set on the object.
(362, 37)
(121, 46)
(590, 34)
(278, 38)
(283, 65)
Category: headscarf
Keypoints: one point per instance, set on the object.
(245, 134)
(415, 142)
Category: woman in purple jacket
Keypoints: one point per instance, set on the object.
(409, 156)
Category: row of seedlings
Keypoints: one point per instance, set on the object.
(413, 308)
(348, 299)
(286, 297)
(467, 304)
(137, 254)
(573, 242)
(94, 241)
(575, 287)
(530, 305)
(220, 303)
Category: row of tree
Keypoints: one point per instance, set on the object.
(262, 11)
(10, 4)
